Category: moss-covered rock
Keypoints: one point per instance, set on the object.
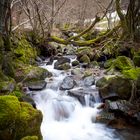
(114, 86)
(132, 74)
(85, 51)
(136, 60)
(123, 63)
(64, 66)
(108, 63)
(18, 119)
(75, 63)
(31, 73)
(29, 117)
(7, 86)
(30, 138)
(84, 59)
(119, 64)
(25, 52)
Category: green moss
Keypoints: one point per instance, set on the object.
(25, 52)
(17, 93)
(29, 123)
(108, 63)
(85, 50)
(7, 86)
(9, 111)
(18, 120)
(136, 60)
(123, 63)
(119, 64)
(85, 59)
(64, 66)
(30, 138)
(75, 63)
(132, 73)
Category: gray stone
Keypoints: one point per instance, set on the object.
(36, 85)
(68, 83)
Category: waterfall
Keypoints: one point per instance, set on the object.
(64, 118)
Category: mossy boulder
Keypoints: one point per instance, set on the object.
(25, 52)
(7, 86)
(85, 51)
(119, 64)
(31, 73)
(64, 66)
(114, 86)
(108, 63)
(132, 74)
(18, 119)
(30, 138)
(136, 60)
(84, 59)
(75, 63)
(123, 63)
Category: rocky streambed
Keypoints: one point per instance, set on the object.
(80, 102)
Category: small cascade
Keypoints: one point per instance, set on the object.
(64, 117)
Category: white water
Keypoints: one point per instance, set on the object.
(64, 118)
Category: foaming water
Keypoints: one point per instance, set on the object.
(64, 118)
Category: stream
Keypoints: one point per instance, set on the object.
(64, 117)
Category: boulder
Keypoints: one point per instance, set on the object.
(84, 59)
(114, 87)
(89, 80)
(31, 73)
(68, 83)
(16, 117)
(81, 95)
(77, 71)
(36, 85)
(62, 63)
(64, 66)
(75, 63)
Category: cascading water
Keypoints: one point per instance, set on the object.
(64, 118)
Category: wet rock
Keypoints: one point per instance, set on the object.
(38, 59)
(68, 83)
(75, 63)
(62, 63)
(84, 59)
(28, 99)
(120, 105)
(77, 71)
(104, 117)
(81, 95)
(89, 81)
(114, 87)
(64, 66)
(36, 85)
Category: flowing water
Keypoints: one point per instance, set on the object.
(64, 118)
